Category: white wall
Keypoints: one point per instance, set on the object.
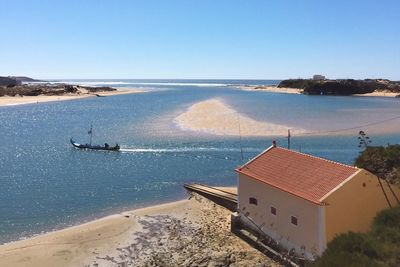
(307, 237)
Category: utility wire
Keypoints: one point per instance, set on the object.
(337, 130)
(391, 190)
(351, 128)
(240, 137)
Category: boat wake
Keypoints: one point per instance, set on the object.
(185, 149)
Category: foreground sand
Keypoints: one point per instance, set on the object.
(19, 100)
(215, 117)
(190, 232)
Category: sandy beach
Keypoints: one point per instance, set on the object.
(22, 100)
(284, 90)
(271, 89)
(189, 232)
(380, 93)
(215, 117)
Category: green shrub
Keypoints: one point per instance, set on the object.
(346, 259)
(379, 247)
(388, 218)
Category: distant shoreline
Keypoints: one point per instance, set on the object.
(25, 100)
(286, 90)
(379, 94)
(270, 89)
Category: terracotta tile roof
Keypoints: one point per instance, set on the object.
(303, 175)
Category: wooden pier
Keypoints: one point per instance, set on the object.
(219, 196)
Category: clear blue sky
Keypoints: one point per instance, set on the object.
(246, 39)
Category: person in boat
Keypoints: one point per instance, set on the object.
(106, 145)
(116, 146)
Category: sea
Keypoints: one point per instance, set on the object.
(46, 184)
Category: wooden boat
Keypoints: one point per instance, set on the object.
(106, 146)
(95, 147)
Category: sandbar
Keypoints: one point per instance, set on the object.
(215, 117)
(23, 100)
(193, 229)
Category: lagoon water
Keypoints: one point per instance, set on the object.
(46, 184)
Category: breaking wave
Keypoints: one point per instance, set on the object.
(104, 83)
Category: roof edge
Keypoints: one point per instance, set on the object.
(256, 157)
(319, 203)
(340, 185)
(320, 158)
(297, 152)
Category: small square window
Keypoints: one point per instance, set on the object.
(294, 220)
(273, 210)
(253, 201)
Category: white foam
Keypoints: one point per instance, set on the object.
(183, 84)
(84, 83)
(99, 83)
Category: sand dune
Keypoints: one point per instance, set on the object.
(215, 117)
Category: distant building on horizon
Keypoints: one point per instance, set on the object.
(318, 77)
(303, 202)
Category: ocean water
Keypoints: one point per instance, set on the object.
(46, 184)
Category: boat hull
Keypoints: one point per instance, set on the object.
(94, 147)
